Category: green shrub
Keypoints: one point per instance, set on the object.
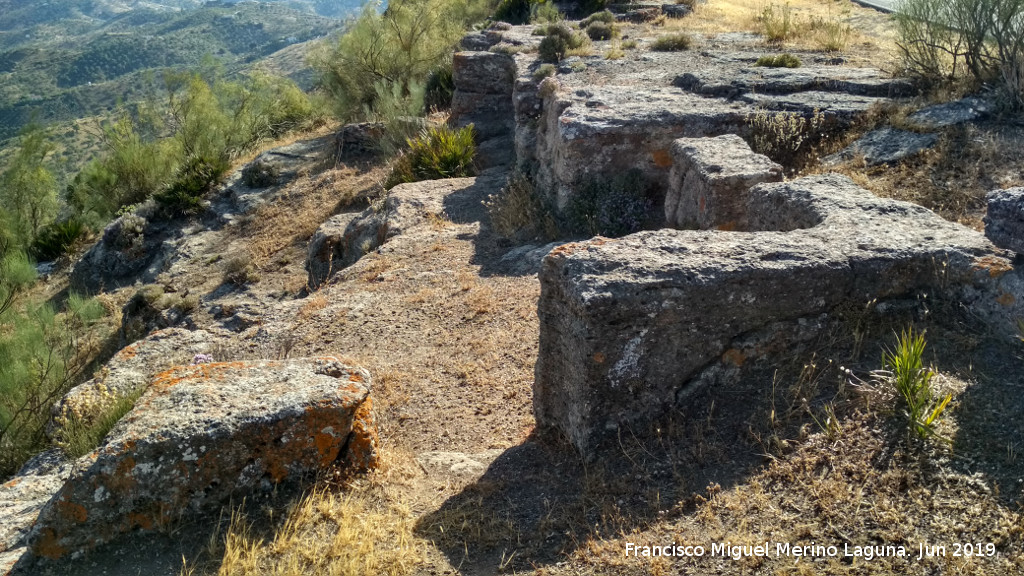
(830, 34)
(439, 152)
(56, 239)
(132, 170)
(402, 44)
(778, 61)
(440, 88)
(544, 71)
(43, 353)
(613, 208)
(239, 270)
(913, 383)
(601, 31)
(629, 44)
(604, 17)
(559, 40)
(184, 195)
(546, 11)
(778, 23)
(28, 189)
(518, 211)
(672, 43)
(785, 137)
(513, 11)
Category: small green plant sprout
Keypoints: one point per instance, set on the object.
(912, 381)
(778, 61)
(672, 43)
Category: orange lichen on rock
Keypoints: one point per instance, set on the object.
(662, 158)
(202, 433)
(139, 520)
(48, 545)
(994, 265)
(71, 510)
(362, 446)
(734, 357)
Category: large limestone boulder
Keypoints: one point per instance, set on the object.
(204, 433)
(710, 180)
(628, 326)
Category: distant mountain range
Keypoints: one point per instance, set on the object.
(61, 60)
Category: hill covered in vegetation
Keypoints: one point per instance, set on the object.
(60, 61)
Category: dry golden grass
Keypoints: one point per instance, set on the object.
(337, 534)
(362, 530)
(953, 177)
(291, 219)
(815, 25)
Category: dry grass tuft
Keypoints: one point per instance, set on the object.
(953, 177)
(325, 532)
(291, 219)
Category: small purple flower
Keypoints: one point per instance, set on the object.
(201, 359)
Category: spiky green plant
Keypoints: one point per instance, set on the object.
(439, 152)
(913, 383)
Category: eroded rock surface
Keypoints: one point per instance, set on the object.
(261, 179)
(344, 239)
(710, 180)
(1004, 222)
(600, 117)
(628, 325)
(129, 371)
(885, 145)
(201, 434)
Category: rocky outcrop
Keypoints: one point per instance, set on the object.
(885, 146)
(952, 113)
(629, 325)
(204, 433)
(129, 372)
(129, 249)
(260, 180)
(598, 118)
(710, 180)
(344, 239)
(359, 139)
(329, 250)
(1004, 222)
(21, 499)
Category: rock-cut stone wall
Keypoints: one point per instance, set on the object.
(628, 326)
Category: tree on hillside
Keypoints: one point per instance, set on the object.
(28, 189)
(396, 48)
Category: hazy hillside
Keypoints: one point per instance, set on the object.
(65, 60)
